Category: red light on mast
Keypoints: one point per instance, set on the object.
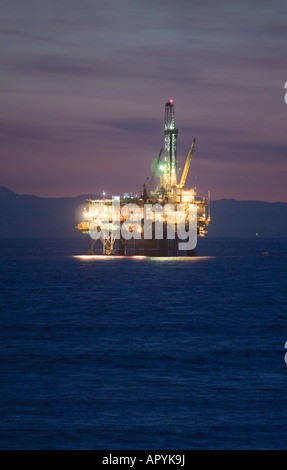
(171, 101)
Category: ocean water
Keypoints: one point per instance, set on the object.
(143, 354)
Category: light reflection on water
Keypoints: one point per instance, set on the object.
(156, 259)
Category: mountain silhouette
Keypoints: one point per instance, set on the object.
(25, 216)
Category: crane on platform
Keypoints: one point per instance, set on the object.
(154, 172)
(187, 165)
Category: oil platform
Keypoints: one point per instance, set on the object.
(157, 222)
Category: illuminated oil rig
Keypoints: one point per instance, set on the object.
(149, 225)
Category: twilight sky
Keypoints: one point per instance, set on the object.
(83, 86)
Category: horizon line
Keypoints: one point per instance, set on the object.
(99, 196)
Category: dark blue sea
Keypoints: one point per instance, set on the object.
(143, 354)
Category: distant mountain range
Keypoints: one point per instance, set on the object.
(23, 216)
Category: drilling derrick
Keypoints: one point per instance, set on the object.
(170, 140)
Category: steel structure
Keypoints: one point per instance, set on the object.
(170, 140)
(104, 217)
